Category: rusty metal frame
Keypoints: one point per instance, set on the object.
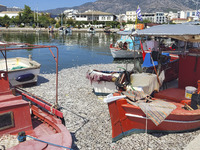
(31, 46)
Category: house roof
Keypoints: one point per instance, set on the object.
(9, 12)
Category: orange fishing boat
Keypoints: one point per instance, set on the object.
(26, 116)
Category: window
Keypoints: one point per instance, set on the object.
(6, 120)
(188, 14)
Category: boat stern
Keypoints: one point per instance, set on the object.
(117, 116)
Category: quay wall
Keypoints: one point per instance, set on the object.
(15, 29)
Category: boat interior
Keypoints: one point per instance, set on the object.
(18, 63)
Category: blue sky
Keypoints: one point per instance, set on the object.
(43, 4)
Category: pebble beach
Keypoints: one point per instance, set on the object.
(87, 116)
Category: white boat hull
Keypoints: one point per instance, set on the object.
(102, 87)
(119, 53)
(18, 67)
(13, 75)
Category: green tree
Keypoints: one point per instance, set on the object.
(13, 21)
(27, 15)
(52, 21)
(1, 21)
(130, 22)
(19, 19)
(43, 21)
(71, 22)
(6, 21)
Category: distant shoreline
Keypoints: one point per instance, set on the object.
(15, 29)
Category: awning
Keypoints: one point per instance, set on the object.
(184, 32)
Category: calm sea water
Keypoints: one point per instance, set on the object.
(74, 50)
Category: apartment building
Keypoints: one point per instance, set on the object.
(70, 13)
(10, 14)
(3, 8)
(94, 16)
(160, 17)
(187, 14)
(130, 15)
(148, 16)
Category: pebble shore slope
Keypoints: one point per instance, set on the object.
(87, 116)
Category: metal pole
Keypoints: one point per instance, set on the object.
(6, 61)
(57, 78)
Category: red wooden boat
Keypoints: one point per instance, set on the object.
(30, 116)
(169, 110)
(127, 119)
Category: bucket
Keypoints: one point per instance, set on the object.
(189, 90)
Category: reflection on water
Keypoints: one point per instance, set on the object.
(79, 48)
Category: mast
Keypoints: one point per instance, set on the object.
(92, 15)
(37, 17)
(197, 13)
(197, 4)
(61, 18)
(34, 15)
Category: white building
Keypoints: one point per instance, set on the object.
(171, 15)
(148, 16)
(70, 13)
(94, 16)
(187, 14)
(3, 8)
(10, 14)
(131, 15)
(160, 17)
(121, 18)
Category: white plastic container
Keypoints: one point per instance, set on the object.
(189, 90)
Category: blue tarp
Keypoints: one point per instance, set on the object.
(148, 62)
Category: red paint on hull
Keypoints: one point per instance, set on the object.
(179, 120)
(41, 124)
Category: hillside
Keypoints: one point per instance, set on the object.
(121, 6)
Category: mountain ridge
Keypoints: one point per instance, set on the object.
(121, 6)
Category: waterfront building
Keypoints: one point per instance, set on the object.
(70, 13)
(121, 18)
(187, 14)
(10, 14)
(94, 16)
(160, 17)
(148, 16)
(171, 15)
(14, 8)
(3, 8)
(131, 16)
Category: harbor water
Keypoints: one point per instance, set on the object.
(77, 49)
